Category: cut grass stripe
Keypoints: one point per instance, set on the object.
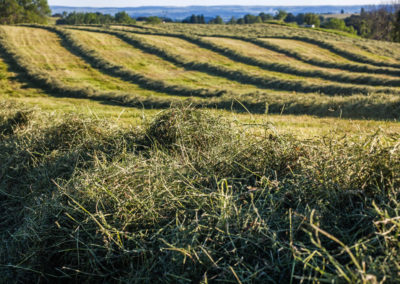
(357, 106)
(176, 57)
(145, 82)
(346, 64)
(58, 87)
(339, 77)
(342, 52)
(227, 47)
(117, 52)
(264, 42)
(42, 50)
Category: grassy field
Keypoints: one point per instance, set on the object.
(43, 50)
(387, 49)
(192, 52)
(265, 54)
(195, 154)
(118, 52)
(268, 58)
(308, 50)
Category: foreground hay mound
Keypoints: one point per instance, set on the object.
(193, 198)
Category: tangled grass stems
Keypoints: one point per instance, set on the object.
(194, 197)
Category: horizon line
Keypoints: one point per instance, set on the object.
(175, 6)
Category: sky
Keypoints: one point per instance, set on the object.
(137, 3)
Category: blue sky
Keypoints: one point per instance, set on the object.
(133, 3)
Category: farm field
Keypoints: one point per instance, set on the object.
(118, 52)
(198, 153)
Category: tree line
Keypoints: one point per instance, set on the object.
(381, 23)
(75, 18)
(123, 17)
(24, 11)
(281, 16)
(378, 22)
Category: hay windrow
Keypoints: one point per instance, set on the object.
(194, 196)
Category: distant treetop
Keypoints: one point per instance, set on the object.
(24, 11)
(95, 19)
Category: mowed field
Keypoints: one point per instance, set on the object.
(198, 153)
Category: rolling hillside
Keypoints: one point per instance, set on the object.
(198, 153)
(161, 67)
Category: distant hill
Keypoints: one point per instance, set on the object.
(226, 12)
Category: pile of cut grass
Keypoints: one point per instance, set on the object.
(191, 197)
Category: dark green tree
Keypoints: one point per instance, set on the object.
(396, 28)
(217, 21)
(154, 20)
(10, 12)
(312, 19)
(232, 21)
(265, 17)
(300, 18)
(290, 18)
(193, 19)
(337, 24)
(202, 20)
(24, 11)
(91, 19)
(250, 19)
(280, 15)
(123, 18)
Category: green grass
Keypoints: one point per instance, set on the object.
(189, 54)
(308, 49)
(193, 197)
(351, 47)
(354, 106)
(102, 184)
(312, 35)
(247, 52)
(304, 127)
(192, 52)
(340, 33)
(42, 50)
(194, 57)
(118, 52)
